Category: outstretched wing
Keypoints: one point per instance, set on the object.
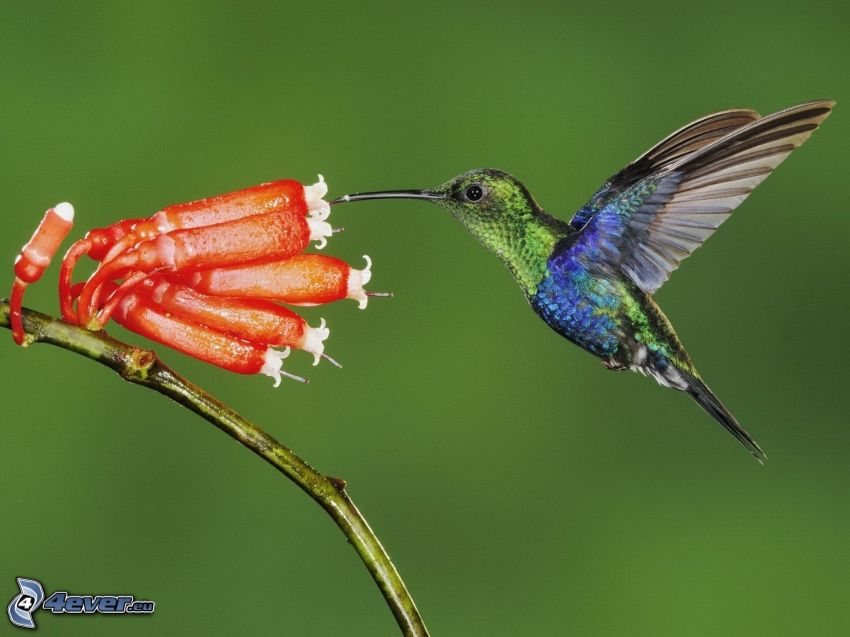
(684, 141)
(648, 229)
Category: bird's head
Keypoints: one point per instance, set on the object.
(493, 205)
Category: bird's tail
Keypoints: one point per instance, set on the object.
(706, 399)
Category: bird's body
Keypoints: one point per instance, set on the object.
(597, 308)
(592, 279)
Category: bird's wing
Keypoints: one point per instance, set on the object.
(684, 141)
(651, 227)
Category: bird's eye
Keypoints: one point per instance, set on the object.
(474, 192)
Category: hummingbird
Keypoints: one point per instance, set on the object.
(592, 279)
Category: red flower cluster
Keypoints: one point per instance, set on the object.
(204, 277)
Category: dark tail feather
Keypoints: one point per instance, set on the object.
(700, 392)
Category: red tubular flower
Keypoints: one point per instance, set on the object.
(285, 195)
(34, 258)
(306, 279)
(228, 352)
(254, 320)
(200, 277)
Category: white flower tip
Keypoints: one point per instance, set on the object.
(65, 211)
(314, 340)
(320, 211)
(367, 271)
(317, 207)
(273, 362)
(357, 279)
(319, 231)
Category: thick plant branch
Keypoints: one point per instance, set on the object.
(142, 367)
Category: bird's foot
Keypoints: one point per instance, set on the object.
(614, 365)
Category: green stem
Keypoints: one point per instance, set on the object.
(142, 367)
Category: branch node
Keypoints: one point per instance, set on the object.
(138, 364)
(338, 483)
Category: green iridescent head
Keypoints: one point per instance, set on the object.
(499, 211)
(486, 194)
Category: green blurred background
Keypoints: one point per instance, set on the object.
(519, 487)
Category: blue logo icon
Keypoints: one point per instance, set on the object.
(26, 603)
(31, 598)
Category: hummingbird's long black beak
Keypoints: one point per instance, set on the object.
(390, 194)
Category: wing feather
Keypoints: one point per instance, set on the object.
(673, 148)
(664, 217)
